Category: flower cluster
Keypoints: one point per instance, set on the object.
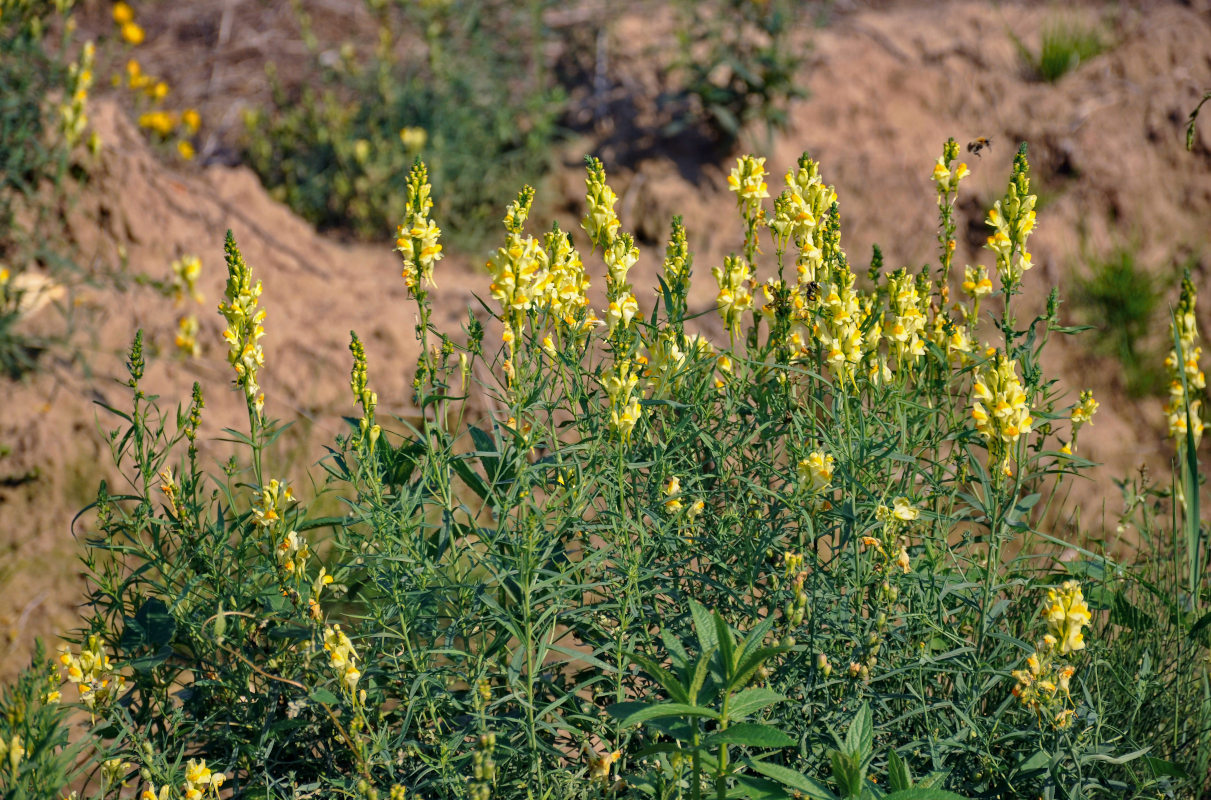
(1000, 410)
(1186, 377)
(624, 403)
(891, 545)
(1012, 219)
(186, 340)
(124, 18)
(244, 329)
(73, 118)
(815, 475)
(735, 295)
(1082, 414)
(413, 139)
(289, 549)
(1043, 686)
(92, 673)
(747, 180)
(416, 238)
(185, 273)
(342, 657)
(906, 318)
(847, 328)
(600, 222)
(12, 751)
(162, 122)
(199, 780)
(794, 577)
(368, 430)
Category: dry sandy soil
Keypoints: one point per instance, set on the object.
(887, 85)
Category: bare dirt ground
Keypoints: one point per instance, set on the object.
(887, 84)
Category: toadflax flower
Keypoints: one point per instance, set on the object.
(244, 329)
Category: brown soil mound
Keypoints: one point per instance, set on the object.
(886, 86)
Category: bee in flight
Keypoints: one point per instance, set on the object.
(982, 143)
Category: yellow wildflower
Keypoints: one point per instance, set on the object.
(132, 33)
(122, 13)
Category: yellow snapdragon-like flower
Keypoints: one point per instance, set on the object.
(747, 180)
(1186, 377)
(342, 658)
(672, 493)
(905, 322)
(185, 273)
(569, 282)
(1067, 614)
(625, 410)
(947, 179)
(621, 311)
(73, 115)
(1044, 685)
(999, 409)
(976, 283)
(735, 295)
(244, 329)
(92, 673)
(413, 139)
(1012, 219)
(815, 472)
(600, 222)
(417, 237)
(200, 780)
(186, 340)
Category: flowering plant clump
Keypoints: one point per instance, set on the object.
(1186, 377)
(1044, 686)
(609, 535)
(244, 329)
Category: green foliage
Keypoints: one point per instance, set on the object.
(36, 761)
(506, 596)
(35, 165)
(1065, 44)
(1120, 298)
(465, 78)
(738, 64)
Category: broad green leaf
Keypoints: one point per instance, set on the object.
(324, 696)
(662, 710)
(898, 776)
(751, 734)
(1166, 768)
(704, 626)
(727, 644)
(920, 793)
(810, 787)
(751, 701)
(859, 739)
